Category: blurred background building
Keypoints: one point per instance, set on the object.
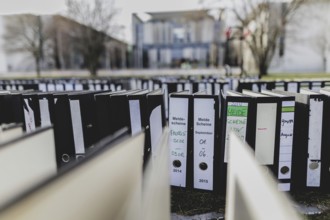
(56, 41)
(178, 39)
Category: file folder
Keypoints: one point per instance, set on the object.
(205, 136)
(287, 104)
(180, 141)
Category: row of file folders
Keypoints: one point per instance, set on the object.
(288, 131)
(82, 118)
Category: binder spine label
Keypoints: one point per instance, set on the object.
(44, 113)
(292, 87)
(178, 125)
(78, 135)
(203, 143)
(286, 140)
(156, 129)
(236, 121)
(314, 142)
(135, 116)
(30, 124)
(265, 133)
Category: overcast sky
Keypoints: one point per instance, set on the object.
(127, 7)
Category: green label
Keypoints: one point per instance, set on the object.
(238, 111)
(288, 109)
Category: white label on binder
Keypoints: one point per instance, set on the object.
(203, 143)
(313, 173)
(156, 86)
(292, 87)
(78, 135)
(135, 116)
(50, 87)
(209, 88)
(236, 121)
(314, 141)
(284, 187)
(286, 140)
(78, 87)
(68, 87)
(44, 113)
(105, 87)
(187, 86)
(265, 133)
(42, 87)
(255, 87)
(179, 87)
(316, 86)
(112, 87)
(315, 129)
(139, 84)
(145, 85)
(178, 124)
(201, 86)
(216, 89)
(156, 129)
(225, 89)
(279, 86)
(98, 87)
(29, 117)
(91, 87)
(59, 87)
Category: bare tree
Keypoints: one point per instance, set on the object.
(90, 38)
(24, 34)
(263, 24)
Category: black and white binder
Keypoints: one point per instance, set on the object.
(309, 151)
(292, 86)
(205, 136)
(137, 103)
(155, 122)
(31, 111)
(235, 117)
(265, 130)
(287, 104)
(46, 105)
(180, 119)
(104, 108)
(83, 120)
(112, 112)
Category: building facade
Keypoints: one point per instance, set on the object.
(174, 39)
(59, 48)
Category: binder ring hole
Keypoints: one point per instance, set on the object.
(65, 158)
(203, 166)
(313, 166)
(285, 170)
(177, 163)
(79, 157)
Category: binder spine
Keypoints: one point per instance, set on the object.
(178, 140)
(237, 120)
(314, 143)
(203, 143)
(286, 142)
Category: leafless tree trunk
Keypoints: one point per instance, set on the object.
(91, 37)
(24, 34)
